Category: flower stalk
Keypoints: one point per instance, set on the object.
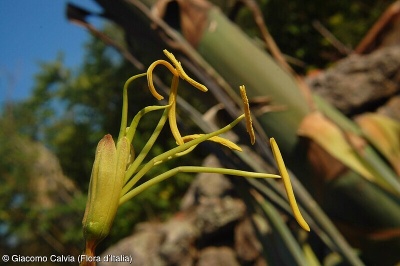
(116, 170)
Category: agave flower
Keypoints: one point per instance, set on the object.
(116, 170)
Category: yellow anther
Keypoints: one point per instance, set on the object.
(217, 139)
(288, 186)
(150, 76)
(183, 74)
(249, 122)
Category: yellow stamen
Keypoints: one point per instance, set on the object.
(217, 139)
(172, 111)
(183, 74)
(150, 76)
(288, 186)
(249, 122)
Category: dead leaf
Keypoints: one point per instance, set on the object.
(384, 133)
(325, 133)
(192, 16)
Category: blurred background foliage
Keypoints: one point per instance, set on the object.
(71, 109)
(294, 26)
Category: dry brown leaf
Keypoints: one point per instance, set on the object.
(326, 134)
(384, 133)
(192, 17)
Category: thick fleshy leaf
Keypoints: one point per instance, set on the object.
(326, 134)
(384, 133)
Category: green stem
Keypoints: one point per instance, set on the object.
(170, 153)
(124, 118)
(135, 121)
(179, 154)
(143, 153)
(191, 169)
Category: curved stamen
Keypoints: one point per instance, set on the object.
(183, 74)
(172, 111)
(150, 76)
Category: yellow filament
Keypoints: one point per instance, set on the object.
(150, 76)
(249, 122)
(288, 186)
(217, 139)
(183, 74)
(172, 111)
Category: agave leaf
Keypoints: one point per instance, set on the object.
(380, 169)
(329, 136)
(384, 133)
(282, 232)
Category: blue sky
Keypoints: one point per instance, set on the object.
(33, 31)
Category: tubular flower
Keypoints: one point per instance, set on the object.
(116, 170)
(105, 187)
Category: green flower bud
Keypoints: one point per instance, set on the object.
(105, 188)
